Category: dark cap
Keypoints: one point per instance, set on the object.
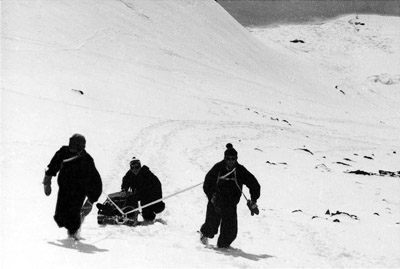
(77, 142)
(230, 151)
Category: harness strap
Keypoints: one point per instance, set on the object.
(224, 177)
(234, 179)
(71, 159)
(230, 172)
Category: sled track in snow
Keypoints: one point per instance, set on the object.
(198, 143)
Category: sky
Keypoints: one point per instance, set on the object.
(271, 12)
(172, 82)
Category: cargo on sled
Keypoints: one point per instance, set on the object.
(116, 210)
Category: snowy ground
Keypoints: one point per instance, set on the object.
(172, 82)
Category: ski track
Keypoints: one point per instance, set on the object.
(153, 144)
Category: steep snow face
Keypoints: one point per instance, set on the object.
(128, 43)
(172, 82)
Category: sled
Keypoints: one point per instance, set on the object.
(109, 214)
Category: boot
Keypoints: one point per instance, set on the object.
(203, 239)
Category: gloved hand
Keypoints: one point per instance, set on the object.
(86, 208)
(47, 185)
(253, 207)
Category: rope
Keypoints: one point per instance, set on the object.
(164, 198)
(117, 207)
(124, 214)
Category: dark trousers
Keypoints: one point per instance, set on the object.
(72, 222)
(68, 209)
(225, 217)
(148, 213)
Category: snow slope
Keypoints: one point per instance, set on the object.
(172, 82)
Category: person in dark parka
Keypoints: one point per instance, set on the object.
(145, 187)
(78, 178)
(223, 187)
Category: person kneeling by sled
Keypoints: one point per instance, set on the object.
(223, 186)
(145, 188)
(78, 178)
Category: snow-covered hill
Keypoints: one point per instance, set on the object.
(172, 82)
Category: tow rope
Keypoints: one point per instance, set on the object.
(151, 203)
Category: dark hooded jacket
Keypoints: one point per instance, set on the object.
(228, 190)
(145, 185)
(78, 178)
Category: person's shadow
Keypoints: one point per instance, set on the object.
(77, 245)
(236, 252)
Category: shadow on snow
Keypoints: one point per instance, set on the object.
(236, 252)
(77, 245)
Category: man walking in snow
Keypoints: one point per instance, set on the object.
(142, 185)
(223, 186)
(78, 178)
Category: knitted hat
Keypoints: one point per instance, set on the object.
(230, 151)
(77, 142)
(134, 160)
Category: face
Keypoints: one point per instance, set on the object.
(135, 167)
(74, 149)
(230, 161)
